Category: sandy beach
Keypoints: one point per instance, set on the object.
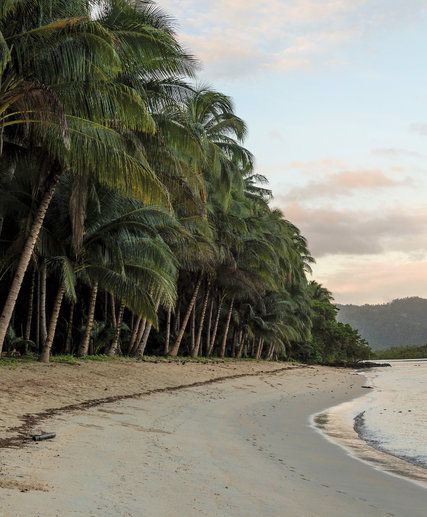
(30, 391)
(238, 447)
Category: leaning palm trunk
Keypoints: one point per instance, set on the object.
(44, 357)
(175, 348)
(139, 337)
(84, 347)
(259, 348)
(144, 340)
(270, 352)
(215, 330)
(25, 258)
(195, 351)
(168, 332)
(193, 329)
(241, 342)
(115, 343)
(227, 326)
(43, 288)
(134, 334)
(27, 334)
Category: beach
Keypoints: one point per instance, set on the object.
(241, 447)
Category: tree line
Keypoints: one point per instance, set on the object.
(131, 217)
(397, 323)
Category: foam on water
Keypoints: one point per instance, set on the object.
(388, 426)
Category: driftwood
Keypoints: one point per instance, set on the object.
(43, 436)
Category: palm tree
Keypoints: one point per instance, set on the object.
(122, 252)
(88, 73)
(128, 192)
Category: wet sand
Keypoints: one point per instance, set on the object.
(240, 447)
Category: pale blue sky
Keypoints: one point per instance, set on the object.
(335, 96)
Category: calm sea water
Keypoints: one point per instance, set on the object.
(394, 415)
(388, 426)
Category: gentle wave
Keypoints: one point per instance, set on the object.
(388, 426)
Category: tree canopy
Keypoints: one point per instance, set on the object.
(132, 218)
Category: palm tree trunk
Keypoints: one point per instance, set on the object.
(84, 346)
(209, 325)
(27, 334)
(241, 342)
(25, 258)
(139, 337)
(215, 329)
(113, 311)
(270, 352)
(259, 349)
(195, 352)
(141, 346)
(134, 334)
(43, 288)
(177, 322)
(193, 328)
(144, 340)
(175, 348)
(168, 332)
(44, 357)
(115, 342)
(38, 313)
(69, 329)
(227, 326)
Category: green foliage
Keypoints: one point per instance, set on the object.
(331, 341)
(159, 225)
(402, 352)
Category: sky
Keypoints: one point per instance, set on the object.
(335, 96)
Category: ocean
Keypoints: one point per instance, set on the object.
(387, 427)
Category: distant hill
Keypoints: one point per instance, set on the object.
(398, 323)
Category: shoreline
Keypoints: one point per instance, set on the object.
(359, 423)
(342, 425)
(241, 446)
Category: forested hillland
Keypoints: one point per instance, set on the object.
(398, 323)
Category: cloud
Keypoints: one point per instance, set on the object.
(338, 232)
(303, 50)
(344, 183)
(393, 152)
(276, 135)
(421, 129)
(374, 279)
(245, 37)
(324, 165)
(226, 58)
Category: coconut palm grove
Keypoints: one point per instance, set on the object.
(132, 219)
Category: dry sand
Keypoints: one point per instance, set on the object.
(240, 447)
(31, 388)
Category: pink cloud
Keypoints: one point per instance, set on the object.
(345, 183)
(377, 280)
(332, 232)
